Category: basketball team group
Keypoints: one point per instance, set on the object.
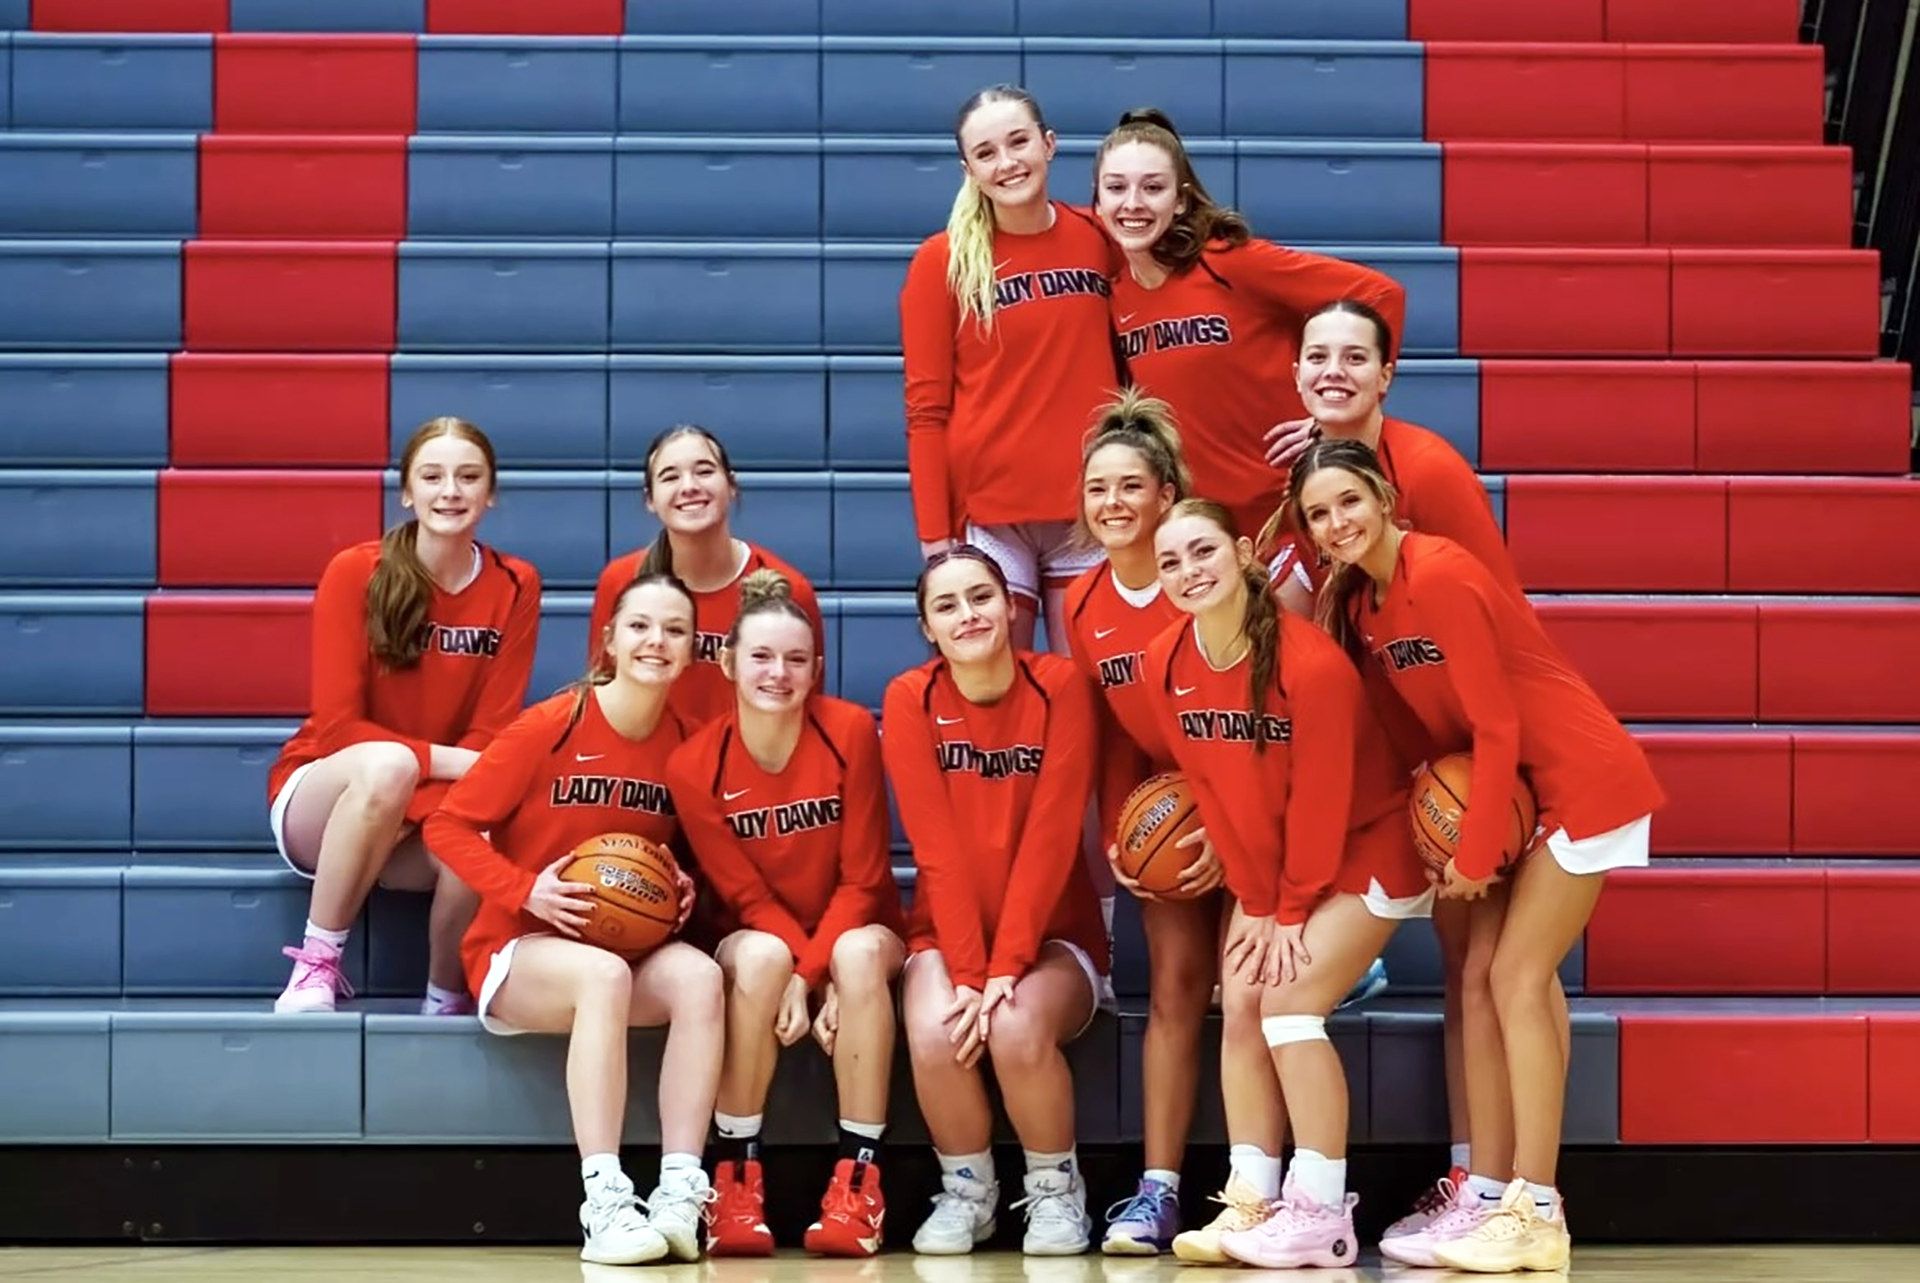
(1285, 649)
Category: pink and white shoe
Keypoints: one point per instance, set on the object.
(1429, 1207)
(1300, 1232)
(1461, 1217)
(316, 983)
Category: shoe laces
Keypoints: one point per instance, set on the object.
(1049, 1205)
(319, 968)
(1513, 1220)
(1438, 1198)
(1146, 1204)
(1241, 1208)
(846, 1197)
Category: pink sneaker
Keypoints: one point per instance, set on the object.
(1300, 1232)
(1460, 1218)
(1430, 1206)
(316, 981)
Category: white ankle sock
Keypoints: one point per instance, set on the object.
(1259, 1170)
(1170, 1179)
(738, 1126)
(1461, 1156)
(1487, 1188)
(1322, 1179)
(439, 999)
(337, 939)
(1065, 1161)
(599, 1167)
(974, 1167)
(1546, 1200)
(872, 1131)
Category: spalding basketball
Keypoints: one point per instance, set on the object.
(1438, 804)
(1153, 819)
(636, 902)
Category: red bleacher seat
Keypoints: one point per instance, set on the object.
(1804, 416)
(1549, 92)
(246, 410)
(1577, 20)
(1839, 661)
(1586, 416)
(290, 186)
(291, 84)
(1689, 661)
(1893, 1067)
(1712, 21)
(1853, 792)
(1709, 930)
(1717, 1078)
(517, 17)
(130, 15)
(228, 655)
(1872, 912)
(278, 296)
(1582, 194)
(1727, 793)
(1725, 93)
(1565, 302)
(257, 529)
(1820, 534)
(1780, 302)
(1749, 195)
(1619, 534)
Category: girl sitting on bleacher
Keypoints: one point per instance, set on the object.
(785, 808)
(508, 829)
(422, 648)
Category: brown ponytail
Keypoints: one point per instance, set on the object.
(1260, 623)
(400, 591)
(1333, 609)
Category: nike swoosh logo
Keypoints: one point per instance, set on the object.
(1185, 690)
(1128, 317)
(588, 757)
(949, 721)
(1101, 634)
(738, 793)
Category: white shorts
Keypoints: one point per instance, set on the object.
(1382, 905)
(1627, 847)
(1096, 983)
(497, 968)
(1031, 552)
(277, 816)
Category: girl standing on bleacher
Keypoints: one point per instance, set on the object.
(690, 490)
(991, 752)
(422, 649)
(785, 807)
(508, 829)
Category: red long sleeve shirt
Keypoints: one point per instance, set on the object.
(993, 798)
(1218, 343)
(703, 692)
(995, 417)
(538, 790)
(800, 853)
(470, 682)
(1478, 670)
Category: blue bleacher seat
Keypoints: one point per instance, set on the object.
(503, 296)
(906, 85)
(866, 416)
(705, 188)
(690, 297)
(112, 82)
(709, 84)
(517, 84)
(891, 18)
(1084, 85)
(72, 653)
(54, 1077)
(860, 295)
(80, 409)
(396, 943)
(99, 184)
(788, 512)
(1071, 178)
(15, 15)
(734, 18)
(873, 532)
(1324, 89)
(6, 76)
(887, 188)
(880, 638)
(429, 1077)
(217, 929)
(59, 929)
(1443, 395)
(90, 294)
(1497, 493)
(539, 411)
(830, 617)
(1346, 1029)
(1122, 19)
(343, 16)
(200, 1073)
(78, 529)
(771, 411)
(203, 786)
(561, 657)
(556, 520)
(1305, 193)
(510, 188)
(1431, 275)
(65, 787)
(1311, 19)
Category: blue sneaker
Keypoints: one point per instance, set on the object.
(1144, 1225)
(1371, 985)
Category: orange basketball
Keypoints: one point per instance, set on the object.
(1439, 803)
(1153, 819)
(636, 899)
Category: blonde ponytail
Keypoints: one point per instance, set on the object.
(970, 253)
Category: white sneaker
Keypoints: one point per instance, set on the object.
(1057, 1220)
(616, 1232)
(962, 1217)
(678, 1211)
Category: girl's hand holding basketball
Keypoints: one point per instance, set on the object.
(1457, 886)
(1248, 942)
(790, 1023)
(564, 905)
(1205, 873)
(999, 991)
(826, 1025)
(1121, 879)
(1289, 953)
(963, 1016)
(687, 894)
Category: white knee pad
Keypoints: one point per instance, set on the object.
(1281, 1030)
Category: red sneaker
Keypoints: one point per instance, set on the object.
(851, 1214)
(739, 1225)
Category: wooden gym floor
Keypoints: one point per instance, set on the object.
(1596, 1264)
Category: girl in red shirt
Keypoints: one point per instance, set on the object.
(1008, 354)
(589, 761)
(1307, 808)
(1477, 673)
(990, 750)
(1209, 317)
(785, 807)
(691, 490)
(422, 649)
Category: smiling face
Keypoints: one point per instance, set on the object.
(1344, 515)
(965, 611)
(1006, 153)
(449, 485)
(1342, 374)
(650, 641)
(688, 488)
(1138, 194)
(771, 662)
(1122, 499)
(1199, 563)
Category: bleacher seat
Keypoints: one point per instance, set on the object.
(1322, 89)
(905, 86)
(771, 411)
(511, 17)
(500, 84)
(733, 85)
(1506, 20)
(510, 188)
(791, 512)
(14, 16)
(1443, 395)
(1788, 417)
(1122, 19)
(673, 297)
(1309, 193)
(864, 18)
(339, 16)
(556, 520)
(215, 929)
(516, 296)
(69, 528)
(289, 84)
(1749, 195)
(1852, 791)
(1572, 194)
(83, 410)
(112, 82)
(90, 295)
(864, 503)
(1619, 534)
(560, 658)
(201, 787)
(1660, 659)
(1311, 19)
(71, 653)
(867, 423)
(1706, 21)
(1836, 659)
(1730, 791)
(1586, 416)
(539, 411)
(879, 638)
(1893, 1058)
(59, 929)
(62, 785)
(710, 188)
(1084, 85)
(278, 296)
(1724, 93)
(305, 186)
(1772, 548)
(1526, 301)
(1782, 302)
(130, 15)
(328, 410)
(1711, 928)
(227, 654)
(54, 1086)
(740, 18)
(6, 73)
(97, 185)
(253, 528)
(1870, 911)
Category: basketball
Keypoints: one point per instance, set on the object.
(1439, 802)
(1153, 819)
(636, 902)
